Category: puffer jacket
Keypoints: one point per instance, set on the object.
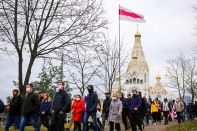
(78, 108)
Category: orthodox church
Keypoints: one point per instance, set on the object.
(137, 75)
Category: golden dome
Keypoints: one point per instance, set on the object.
(158, 77)
(137, 34)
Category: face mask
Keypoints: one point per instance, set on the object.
(90, 90)
(114, 98)
(28, 90)
(134, 95)
(77, 99)
(57, 89)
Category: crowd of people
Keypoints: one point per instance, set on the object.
(134, 111)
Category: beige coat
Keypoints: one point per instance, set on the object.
(179, 106)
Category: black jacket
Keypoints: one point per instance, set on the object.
(15, 106)
(30, 105)
(125, 105)
(61, 101)
(1, 106)
(106, 105)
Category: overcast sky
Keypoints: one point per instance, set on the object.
(168, 30)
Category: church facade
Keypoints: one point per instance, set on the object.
(137, 73)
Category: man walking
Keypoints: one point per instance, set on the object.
(60, 105)
(165, 110)
(14, 110)
(105, 112)
(91, 108)
(29, 108)
(135, 111)
(179, 106)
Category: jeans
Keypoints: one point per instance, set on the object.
(57, 122)
(85, 122)
(32, 119)
(10, 120)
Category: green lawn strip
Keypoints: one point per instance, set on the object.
(186, 126)
(30, 128)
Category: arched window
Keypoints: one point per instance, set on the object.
(131, 81)
(138, 81)
(127, 82)
(134, 80)
(141, 81)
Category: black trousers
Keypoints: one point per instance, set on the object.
(117, 126)
(43, 119)
(165, 114)
(154, 115)
(136, 120)
(57, 122)
(77, 126)
(125, 120)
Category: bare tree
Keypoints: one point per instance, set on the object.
(176, 74)
(191, 80)
(82, 67)
(108, 56)
(40, 27)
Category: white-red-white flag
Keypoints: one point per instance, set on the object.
(128, 15)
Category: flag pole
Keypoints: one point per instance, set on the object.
(119, 48)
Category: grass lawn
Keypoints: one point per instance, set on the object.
(186, 126)
(30, 128)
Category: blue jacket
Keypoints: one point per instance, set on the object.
(45, 106)
(135, 102)
(91, 102)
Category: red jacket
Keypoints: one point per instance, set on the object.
(78, 108)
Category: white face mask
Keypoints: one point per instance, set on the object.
(57, 89)
(114, 98)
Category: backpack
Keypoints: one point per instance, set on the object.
(2, 106)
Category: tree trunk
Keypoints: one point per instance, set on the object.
(28, 73)
(20, 72)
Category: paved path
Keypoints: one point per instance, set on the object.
(151, 127)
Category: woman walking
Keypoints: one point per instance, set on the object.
(44, 112)
(154, 110)
(125, 110)
(77, 108)
(115, 113)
